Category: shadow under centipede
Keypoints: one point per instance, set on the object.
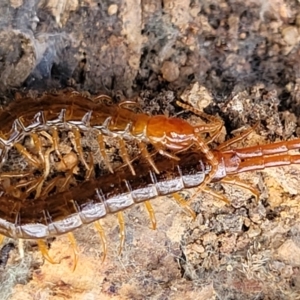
(4, 254)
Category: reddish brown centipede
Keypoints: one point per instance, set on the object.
(51, 183)
(73, 111)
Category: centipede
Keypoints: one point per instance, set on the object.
(58, 171)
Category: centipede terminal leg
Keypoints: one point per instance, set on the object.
(101, 232)
(44, 250)
(122, 231)
(151, 214)
(74, 248)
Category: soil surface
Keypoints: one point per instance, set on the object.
(237, 60)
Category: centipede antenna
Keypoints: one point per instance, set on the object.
(236, 139)
(44, 250)
(151, 214)
(233, 180)
(217, 123)
(101, 232)
(184, 204)
(74, 247)
(122, 231)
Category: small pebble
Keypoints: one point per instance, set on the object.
(170, 71)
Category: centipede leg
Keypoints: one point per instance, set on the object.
(44, 250)
(213, 160)
(151, 214)
(27, 155)
(184, 204)
(122, 231)
(66, 182)
(101, 232)
(38, 145)
(124, 155)
(55, 139)
(74, 247)
(240, 183)
(147, 155)
(2, 237)
(103, 153)
(89, 172)
(77, 136)
(214, 194)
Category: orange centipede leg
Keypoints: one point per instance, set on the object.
(214, 194)
(77, 136)
(2, 237)
(101, 232)
(55, 139)
(124, 155)
(74, 247)
(184, 204)
(44, 250)
(14, 174)
(27, 155)
(151, 214)
(38, 145)
(122, 231)
(147, 155)
(103, 153)
(233, 180)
